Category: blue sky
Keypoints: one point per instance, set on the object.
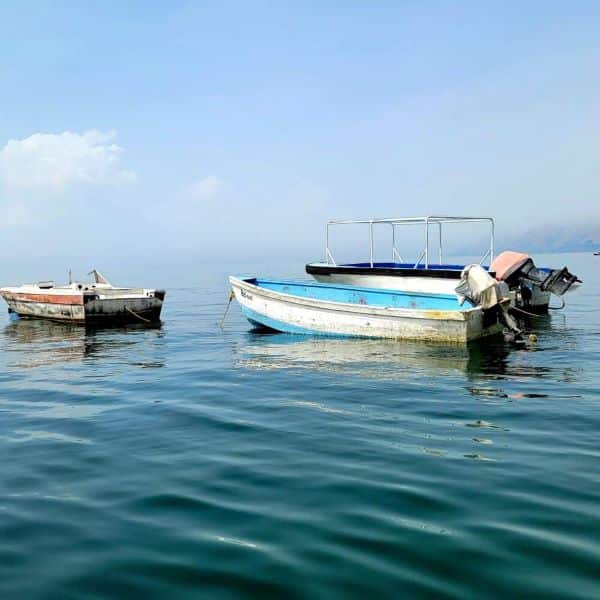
(133, 132)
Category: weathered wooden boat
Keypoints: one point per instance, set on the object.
(98, 302)
(340, 310)
(530, 287)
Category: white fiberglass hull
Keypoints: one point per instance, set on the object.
(419, 285)
(425, 285)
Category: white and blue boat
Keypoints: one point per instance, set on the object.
(530, 287)
(300, 307)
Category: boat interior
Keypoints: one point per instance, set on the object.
(360, 295)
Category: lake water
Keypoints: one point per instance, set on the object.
(192, 461)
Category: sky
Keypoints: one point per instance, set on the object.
(149, 134)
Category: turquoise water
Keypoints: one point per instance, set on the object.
(199, 462)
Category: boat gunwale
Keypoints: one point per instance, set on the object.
(24, 293)
(353, 269)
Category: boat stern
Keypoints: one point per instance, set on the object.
(123, 306)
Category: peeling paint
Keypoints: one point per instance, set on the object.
(293, 314)
(83, 303)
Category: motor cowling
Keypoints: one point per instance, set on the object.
(477, 286)
(516, 268)
(481, 289)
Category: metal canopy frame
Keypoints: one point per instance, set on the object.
(425, 221)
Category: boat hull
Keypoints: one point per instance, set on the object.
(418, 281)
(417, 285)
(538, 303)
(85, 310)
(301, 315)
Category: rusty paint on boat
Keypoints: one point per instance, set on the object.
(96, 302)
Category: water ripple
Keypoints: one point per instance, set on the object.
(198, 462)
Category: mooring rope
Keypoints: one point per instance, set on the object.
(138, 316)
(231, 297)
(558, 307)
(529, 314)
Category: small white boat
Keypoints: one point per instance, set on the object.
(530, 287)
(338, 310)
(97, 302)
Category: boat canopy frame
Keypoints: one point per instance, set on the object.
(425, 221)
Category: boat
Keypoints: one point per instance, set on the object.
(530, 288)
(97, 302)
(306, 307)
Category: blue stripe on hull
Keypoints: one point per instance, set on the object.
(263, 321)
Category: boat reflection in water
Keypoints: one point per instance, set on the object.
(31, 343)
(490, 358)
(382, 359)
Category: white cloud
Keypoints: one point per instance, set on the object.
(55, 161)
(206, 188)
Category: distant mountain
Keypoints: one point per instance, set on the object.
(545, 238)
(556, 238)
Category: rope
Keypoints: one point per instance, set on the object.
(231, 297)
(138, 316)
(529, 314)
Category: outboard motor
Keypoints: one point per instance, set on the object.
(517, 269)
(477, 286)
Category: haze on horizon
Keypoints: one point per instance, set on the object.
(137, 133)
